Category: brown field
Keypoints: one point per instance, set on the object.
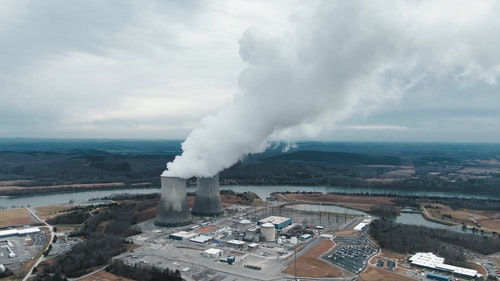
(363, 203)
(377, 274)
(349, 232)
(15, 217)
(16, 183)
(310, 264)
(487, 219)
(104, 276)
(392, 255)
(480, 269)
(147, 214)
(83, 185)
(46, 212)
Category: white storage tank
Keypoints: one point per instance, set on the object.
(268, 231)
(293, 240)
(244, 225)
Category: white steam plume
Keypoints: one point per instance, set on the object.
(343, 58)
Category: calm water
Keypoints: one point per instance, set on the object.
(417, 219)
(65, 198)
(262, 191)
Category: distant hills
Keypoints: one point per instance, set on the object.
(473, 168)
(336, 158)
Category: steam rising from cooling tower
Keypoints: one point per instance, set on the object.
(173, 210)
(343, 58)
(207, 202)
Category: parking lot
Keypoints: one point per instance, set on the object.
(23, 249)
(352, 253)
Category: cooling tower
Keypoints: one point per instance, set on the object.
(173, 210)
(207, 202)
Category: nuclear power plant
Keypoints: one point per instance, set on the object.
(207, 202)
(173, 210)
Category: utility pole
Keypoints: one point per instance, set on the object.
(295, 274)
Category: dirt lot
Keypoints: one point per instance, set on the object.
(363, 203)
(15, 217)
(104, 276)
(377, 274)
(311, 265)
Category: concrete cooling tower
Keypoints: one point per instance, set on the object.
(173, 210)
(207, 202)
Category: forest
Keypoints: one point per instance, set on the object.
(102, 241)
(470, 168)
(446, 243)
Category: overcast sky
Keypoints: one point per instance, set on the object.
(368, 71)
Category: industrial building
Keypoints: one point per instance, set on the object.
(173, 210)
(19, 232)
(236, 243)
(429, 260)
(213, 253)
(363, 224)
(278, 222)
(201, 239)
(182, 235)
(207, 201)
(251, 233)
(438, 277)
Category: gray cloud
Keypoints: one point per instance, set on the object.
(339, 70)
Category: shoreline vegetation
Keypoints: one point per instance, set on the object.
(91, 164)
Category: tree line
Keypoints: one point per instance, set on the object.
(143, 273)
(103, 241)
(446, 243)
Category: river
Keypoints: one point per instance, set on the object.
(262, 191)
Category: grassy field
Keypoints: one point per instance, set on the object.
(47, 212)
(15, 217)
(490, 220)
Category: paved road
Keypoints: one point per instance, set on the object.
(49, 241)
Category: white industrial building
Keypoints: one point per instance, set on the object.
(278, 222)
(213, 253)
(432, 261)
(19, 232)
(236, 243)
(182, 235)
(363, 224)
(201, 239)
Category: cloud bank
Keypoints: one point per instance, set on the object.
(338, 60)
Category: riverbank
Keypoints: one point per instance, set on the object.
(486, 220)
(17, 190)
